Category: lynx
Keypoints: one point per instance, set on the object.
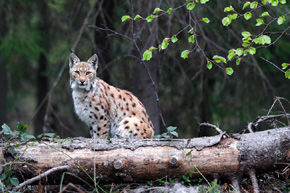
(108, 111)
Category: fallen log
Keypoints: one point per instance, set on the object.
(139, 160)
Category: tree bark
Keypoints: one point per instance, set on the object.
(147, 37)
(138, 160)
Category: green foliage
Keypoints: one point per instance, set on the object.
(229, 71)
(174, 39)
(205, 20)
(190, 6)
(248, 15)
(281, 20)
(184, 54)
(169, 134)
(125, 18)
(209, 65)
(20, 132)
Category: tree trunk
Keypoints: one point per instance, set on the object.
(41, 80)
(138, 160)
(147, 37)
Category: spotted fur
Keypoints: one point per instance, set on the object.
(105, 109)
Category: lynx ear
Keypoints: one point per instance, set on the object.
(93, 61)
(73, 60)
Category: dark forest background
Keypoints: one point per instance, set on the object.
(37, 36)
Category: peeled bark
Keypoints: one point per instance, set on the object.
(137, 160)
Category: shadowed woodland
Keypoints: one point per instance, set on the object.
(37, 36)
(223, 64)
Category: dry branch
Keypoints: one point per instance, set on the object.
(139, 160)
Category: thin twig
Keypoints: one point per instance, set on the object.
(36, 178)
(215, 127)
(272, 64)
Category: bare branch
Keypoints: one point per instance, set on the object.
(36, 178)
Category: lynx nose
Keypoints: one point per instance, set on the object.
(82, 80)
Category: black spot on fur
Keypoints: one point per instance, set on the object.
(135, 124)
(134, 105)
(125, 122)
(127, 127)
(96, 117)
(97, 109)
(142, 133)
(99, 128)
(134, 114)
(130, 131)
(124, 99)
(90, 117)
(102, 117)
(135, 134)
(112, 95)
(120, 96)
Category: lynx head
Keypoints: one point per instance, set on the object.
(82, 74)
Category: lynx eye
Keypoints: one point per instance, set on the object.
(77, 72)
(87, 73)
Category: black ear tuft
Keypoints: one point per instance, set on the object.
(93, 61)
(73, 60)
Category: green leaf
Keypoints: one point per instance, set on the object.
(205, 20)
(219, 59)
(263, 39)
(246, 34)
(169, 10)
(265, 14)
(125, 18)
(283, 1)
(275, 3)
(248, 15)
(252, 50)
(228, 9)
(285, 65)
(226, 21)
(14, 181)
(156, 10)
(239, 51)
(150, 18)
(259, 22)
(254, 5)
(287, 74)
(157, 137)
(190, 6)
(263, 2)
(229, 71)
(191, 39)
(164, 44)
(238, 61)
(171, 128)
(6, 129)
(281, 20)
(203, 1)
(189, 153)
(209, 65)
(137, 17)
(184, 54)
(233, 17)
(147, 55)
(174, 39)
(2, 177)
(174, 133)
(232, 54)
(190, 31)
(246, 4)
